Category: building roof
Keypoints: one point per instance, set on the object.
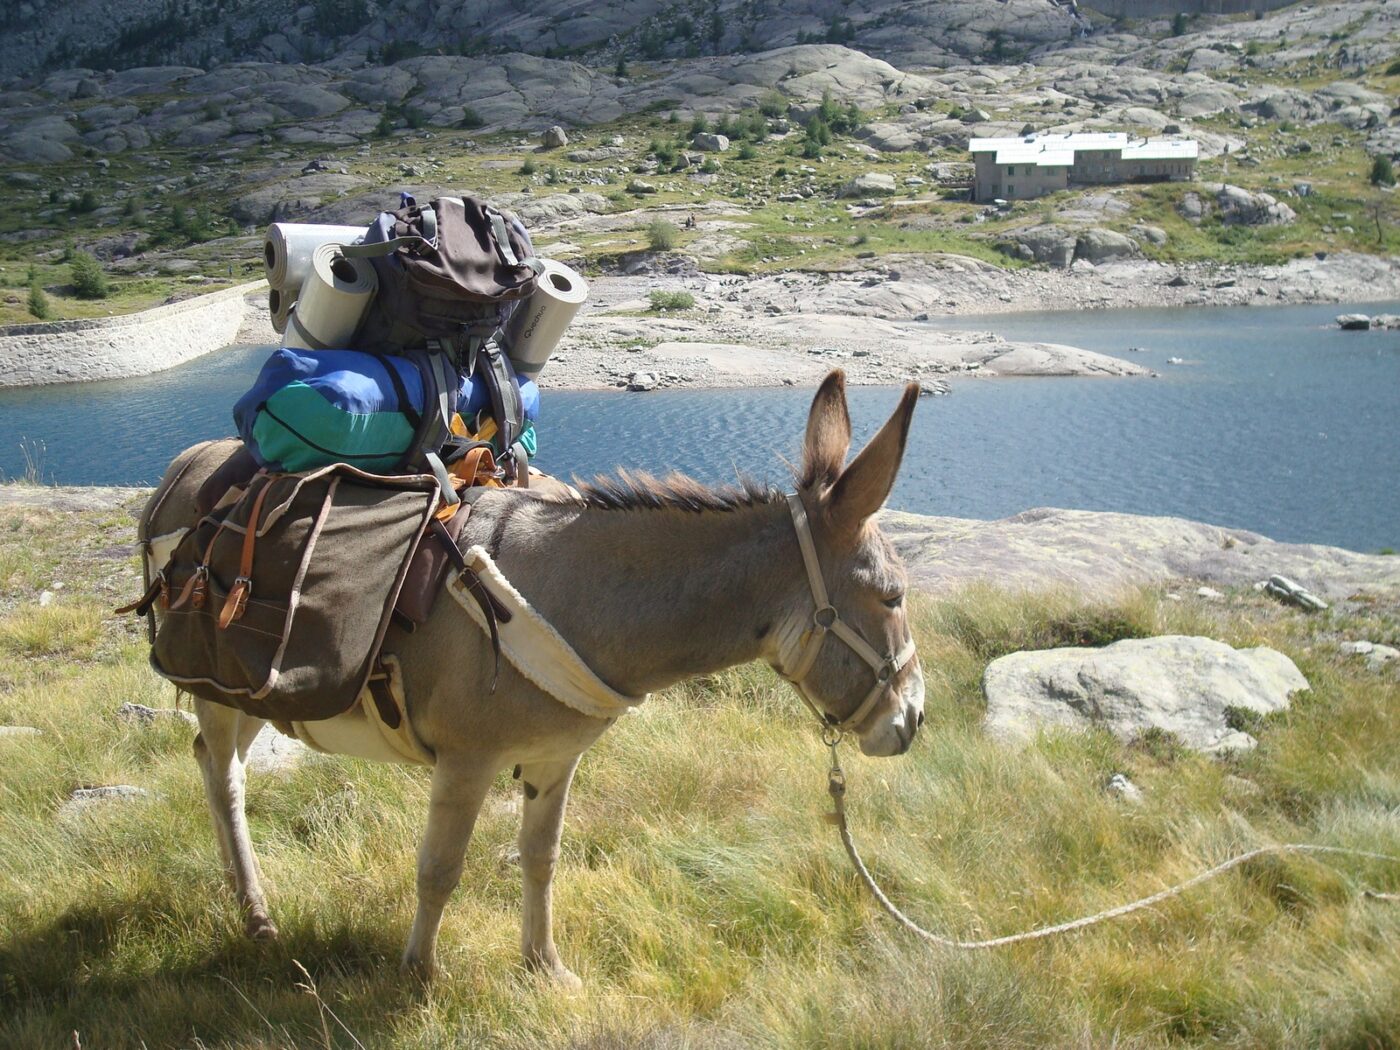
(1056, 149)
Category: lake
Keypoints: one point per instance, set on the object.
(1277, 422)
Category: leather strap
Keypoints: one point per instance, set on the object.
(493, 610)
(826, 620)
(237, 600)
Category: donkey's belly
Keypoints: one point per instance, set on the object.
(349, 734)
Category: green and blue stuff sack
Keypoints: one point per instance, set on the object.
(311, 408)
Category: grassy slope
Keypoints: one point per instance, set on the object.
(812, 234)
(699, 895)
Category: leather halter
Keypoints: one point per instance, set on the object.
(826, 620)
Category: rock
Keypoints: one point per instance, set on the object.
(1099, 246)
(1239, 206)
(871, 184)
(638, 187)
(1210, 594)
(19, 731)
(1284, 589)
(1377, 655)
(554, 138)
(1178, 281)
(1125, 789)
(143, 715)
(1354, 322)
(1192, 208)
(710, 142)
(273, 752)
(641, 381)
(1182, 685)
(1151, 234)
(1053, 245)
(46, 599)
(82, 800)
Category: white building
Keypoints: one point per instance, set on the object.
(1033, 165)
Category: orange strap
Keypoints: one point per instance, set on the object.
(237, 600)
(476, 467)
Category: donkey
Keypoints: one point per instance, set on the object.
(651, 581)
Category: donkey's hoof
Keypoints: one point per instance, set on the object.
(260, 928)
(557, 975)
(420, 969)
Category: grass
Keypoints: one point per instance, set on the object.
(699, 894)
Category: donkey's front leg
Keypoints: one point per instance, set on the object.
(221, 748)
(546, 787)
(459, 787)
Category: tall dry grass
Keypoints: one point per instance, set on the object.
(699, 895)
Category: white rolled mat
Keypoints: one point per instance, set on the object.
(279, 305)
(332, 301)
(538, 323)
(288, 247)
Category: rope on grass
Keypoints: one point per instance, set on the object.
(837, 787)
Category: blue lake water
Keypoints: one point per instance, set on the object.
(1278, 422)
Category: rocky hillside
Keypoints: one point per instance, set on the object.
(49, 34)
(830, 153)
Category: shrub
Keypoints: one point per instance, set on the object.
(665, 154)
(527, 167)
(86, 202)
(1179, 24)
(385, 127)
(699, 123)
(747, 152)
(1393, 70)
(470, 118)
(710, 167)
(38, 302)
(89, 281)
(1382, 171)
(671, 301)
(773, 104)
(620, 70)
(661, 236)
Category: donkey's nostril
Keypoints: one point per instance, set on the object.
(920, 722)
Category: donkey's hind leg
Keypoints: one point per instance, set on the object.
(221, 748)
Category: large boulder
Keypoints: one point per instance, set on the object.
(1098, 246)
(1193, 688)
(1052, 245)
(554, 138)
(710, 142)
(1241, 207)
(871, 184)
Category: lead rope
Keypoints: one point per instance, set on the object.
(836, 785)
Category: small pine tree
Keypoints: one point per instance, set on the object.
(1179, 24)
(38, 301)
(620, 71)
(385, 127)
(528, 167)
(89, 280)
(1382, 171)
(699, 124)
(470, 118)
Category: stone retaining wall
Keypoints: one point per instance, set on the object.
(123, 347)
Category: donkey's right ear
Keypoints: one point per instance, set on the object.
(828, 433)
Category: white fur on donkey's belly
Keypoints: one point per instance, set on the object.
(350, 734)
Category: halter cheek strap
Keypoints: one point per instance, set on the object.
(826, 620)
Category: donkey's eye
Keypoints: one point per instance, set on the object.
(894, 602)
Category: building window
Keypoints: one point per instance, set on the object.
(1010, 190)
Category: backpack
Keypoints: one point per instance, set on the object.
(449, 277)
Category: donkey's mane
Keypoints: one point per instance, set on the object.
(636, 490)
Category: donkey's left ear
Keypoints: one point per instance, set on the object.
(864, 486)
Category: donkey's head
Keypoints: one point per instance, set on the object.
(853, 661)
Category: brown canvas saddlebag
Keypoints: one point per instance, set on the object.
(277, 604)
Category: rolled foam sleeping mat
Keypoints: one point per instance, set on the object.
(538, 323)
(333, 299)
(288, 247)
(279, 305)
